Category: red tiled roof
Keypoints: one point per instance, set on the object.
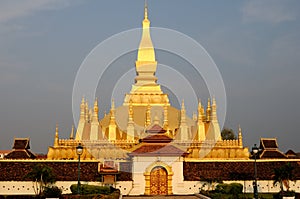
(269, 149)
(268, 143)
(157, 149)
(20, 150)
(21, 143)
(266, 154)
(155, 129)
(20, 154)
(291, 154)
(157, 138)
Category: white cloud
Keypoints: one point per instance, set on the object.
(10, 10)
(270, 11)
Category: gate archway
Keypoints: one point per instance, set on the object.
(158, 181)
(158, 177)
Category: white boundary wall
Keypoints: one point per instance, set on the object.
(26, 187)
(126, 187)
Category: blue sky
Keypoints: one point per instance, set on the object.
(255, 45)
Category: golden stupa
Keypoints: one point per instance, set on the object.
(118, 133)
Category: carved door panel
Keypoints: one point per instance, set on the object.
(158, 181)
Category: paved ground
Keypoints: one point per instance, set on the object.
(160, 197)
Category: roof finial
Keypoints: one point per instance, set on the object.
(146, 10)
(56, 129)
(240, 137)
(56, 138)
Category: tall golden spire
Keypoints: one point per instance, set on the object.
(146, 51)
(145, 66)
(146, 63)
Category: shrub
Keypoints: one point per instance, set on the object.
(236, 188)
(52, 192)
(232, 188)
(223, 188)
(90, 189)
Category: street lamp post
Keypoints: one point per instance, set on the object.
(254, 152)
(79, 151)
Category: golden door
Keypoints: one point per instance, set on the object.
(158, 181)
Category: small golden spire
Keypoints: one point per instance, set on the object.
(183, 117)
(72, 133)
(86, 111)
(214, 101)
(195, 116)
(96, 110)
(214, 109)
(112, 113)
(240, 137)
(208, 110)
(208, 103)
(56, 130)
(113, 104)
(82, 109)
(200, 116)
(56, 139)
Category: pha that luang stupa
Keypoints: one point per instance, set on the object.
(146, 108)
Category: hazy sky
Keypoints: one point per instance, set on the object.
(255, 45)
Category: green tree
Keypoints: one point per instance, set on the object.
(41, 176)
(228, 134)
(283, 175)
